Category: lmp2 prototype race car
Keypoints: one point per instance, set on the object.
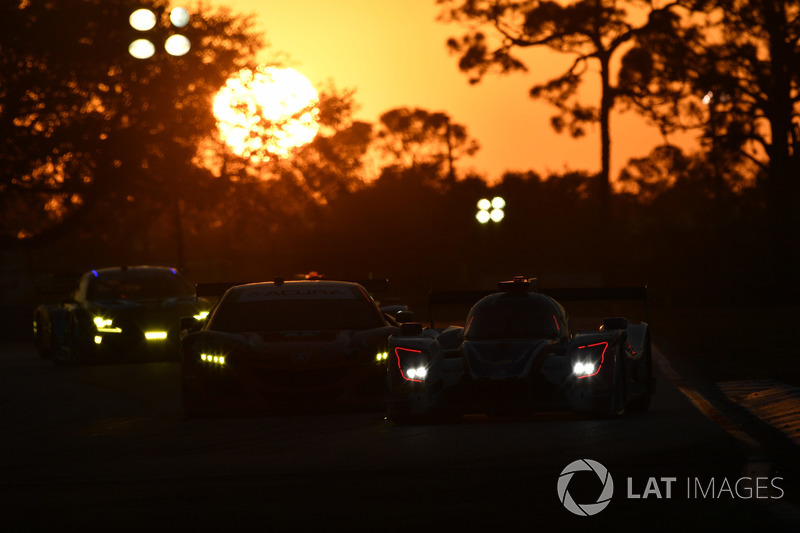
(287, 344)
(516, 354)
(116, 314)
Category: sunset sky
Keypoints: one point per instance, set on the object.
(393, 53)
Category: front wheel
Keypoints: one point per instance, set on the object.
(43, 332)
(641, 403)
(82, 349)
(617, 402)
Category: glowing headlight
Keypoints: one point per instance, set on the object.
(155, 335)
(382, 356)
(213, 359)
(597, 355)
(584, 369)
(413, 363)
(101, 322)
(105, 325)
(417, 373)
(201, 315)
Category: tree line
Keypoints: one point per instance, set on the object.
(108, 159)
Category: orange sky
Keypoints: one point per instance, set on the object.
(392, 52)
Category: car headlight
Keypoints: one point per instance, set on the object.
(105, 325)
(381, 356)
(213, 359)
(590, 360)
(413, 364)
(419, 372)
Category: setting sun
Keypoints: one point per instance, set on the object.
(265, 113)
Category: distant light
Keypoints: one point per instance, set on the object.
(141, 49)
(708, 97)
(179, 17)
(155, 335)
(490, 210)
(143, 20)
(98, 339)
(177, 45)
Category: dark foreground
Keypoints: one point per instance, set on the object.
(107, 447)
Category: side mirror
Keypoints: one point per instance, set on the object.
(190, 324)
(615, 322)
(411, 329)
(404, 316)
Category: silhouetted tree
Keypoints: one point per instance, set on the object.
(414, 137)
(739, 81)
(86, 127)
(755, 82)
(589, 30)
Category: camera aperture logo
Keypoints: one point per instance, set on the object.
(746, 487)
(585, 509)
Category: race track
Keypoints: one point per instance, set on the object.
(107, 447)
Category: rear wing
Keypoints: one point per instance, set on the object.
(586, 294)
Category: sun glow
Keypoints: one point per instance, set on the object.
(265, 113)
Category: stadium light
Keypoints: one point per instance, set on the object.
(491, 210)
(144, 20)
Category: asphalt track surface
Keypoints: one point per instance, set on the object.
(107, 447)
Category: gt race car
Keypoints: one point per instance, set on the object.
(514, 355)
(287, 344)
(118, 313)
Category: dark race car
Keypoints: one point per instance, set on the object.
(288, 344)
(119, 313)
(516, 354)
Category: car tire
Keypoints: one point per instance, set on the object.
(642, 403)
(81, 351)
(43, 338)
(616, 404)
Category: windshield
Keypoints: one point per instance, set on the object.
(526, 316)
(344, 308)
(138, 285)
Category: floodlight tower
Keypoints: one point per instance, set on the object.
(144, 20)
(491, 210)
